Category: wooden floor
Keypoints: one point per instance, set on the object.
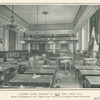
(66, 80)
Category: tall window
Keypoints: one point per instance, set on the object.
(83, 38)
(95, 47)
(77, 45)
(12, 40)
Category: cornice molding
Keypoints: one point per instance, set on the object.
(62, 26)
(90, 10)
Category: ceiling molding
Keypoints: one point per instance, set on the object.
(79, 14)
(69, 26)
(59, 26)
(41, 27)
(90, 10)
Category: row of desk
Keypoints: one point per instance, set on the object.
(35, 77)
(40, 76)
(87, 76)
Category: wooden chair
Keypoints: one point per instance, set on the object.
(32, 62)
(22, 69)
(12, 72)
(2, 79)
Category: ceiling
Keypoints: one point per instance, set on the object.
(57, 13)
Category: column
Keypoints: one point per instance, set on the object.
(21, 40)
(80, 39)
(71, 47)
(88, 30)
(54, 48)
(6, 40)
(74, 47)
(18, 40)
(29, 46)
(77, 44)
(86, 42)
(1, 37)
(37, 46)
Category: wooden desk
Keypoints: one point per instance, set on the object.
(90, 61)
(11, 62)
(28, 80)
(53, 62)
(9, 66)
(6, 71)
(77, 68)
(41, 71)
(83, 73)
(39, 62)
(23, 66)
(92, 81)
(86, 67)
(78, 62)
(55, 67)
(23, 63)
(65, 57)
(3, 69)
(54, 58)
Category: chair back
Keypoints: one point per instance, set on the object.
(32, 62)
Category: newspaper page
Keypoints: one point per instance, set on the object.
(55, 19)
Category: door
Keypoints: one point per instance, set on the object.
(42, 47)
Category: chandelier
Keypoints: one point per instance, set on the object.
(12, 26)
(45, 13)
(37, 37)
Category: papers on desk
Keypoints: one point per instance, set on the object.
(36, 76)
(46, 66)
(64, 61)
(10, 59)
(21, 87)
(89, 59)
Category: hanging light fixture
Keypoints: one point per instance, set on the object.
(12, 26)
(12, 17)
(37, 37)
(45, 13)
(37, 34)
